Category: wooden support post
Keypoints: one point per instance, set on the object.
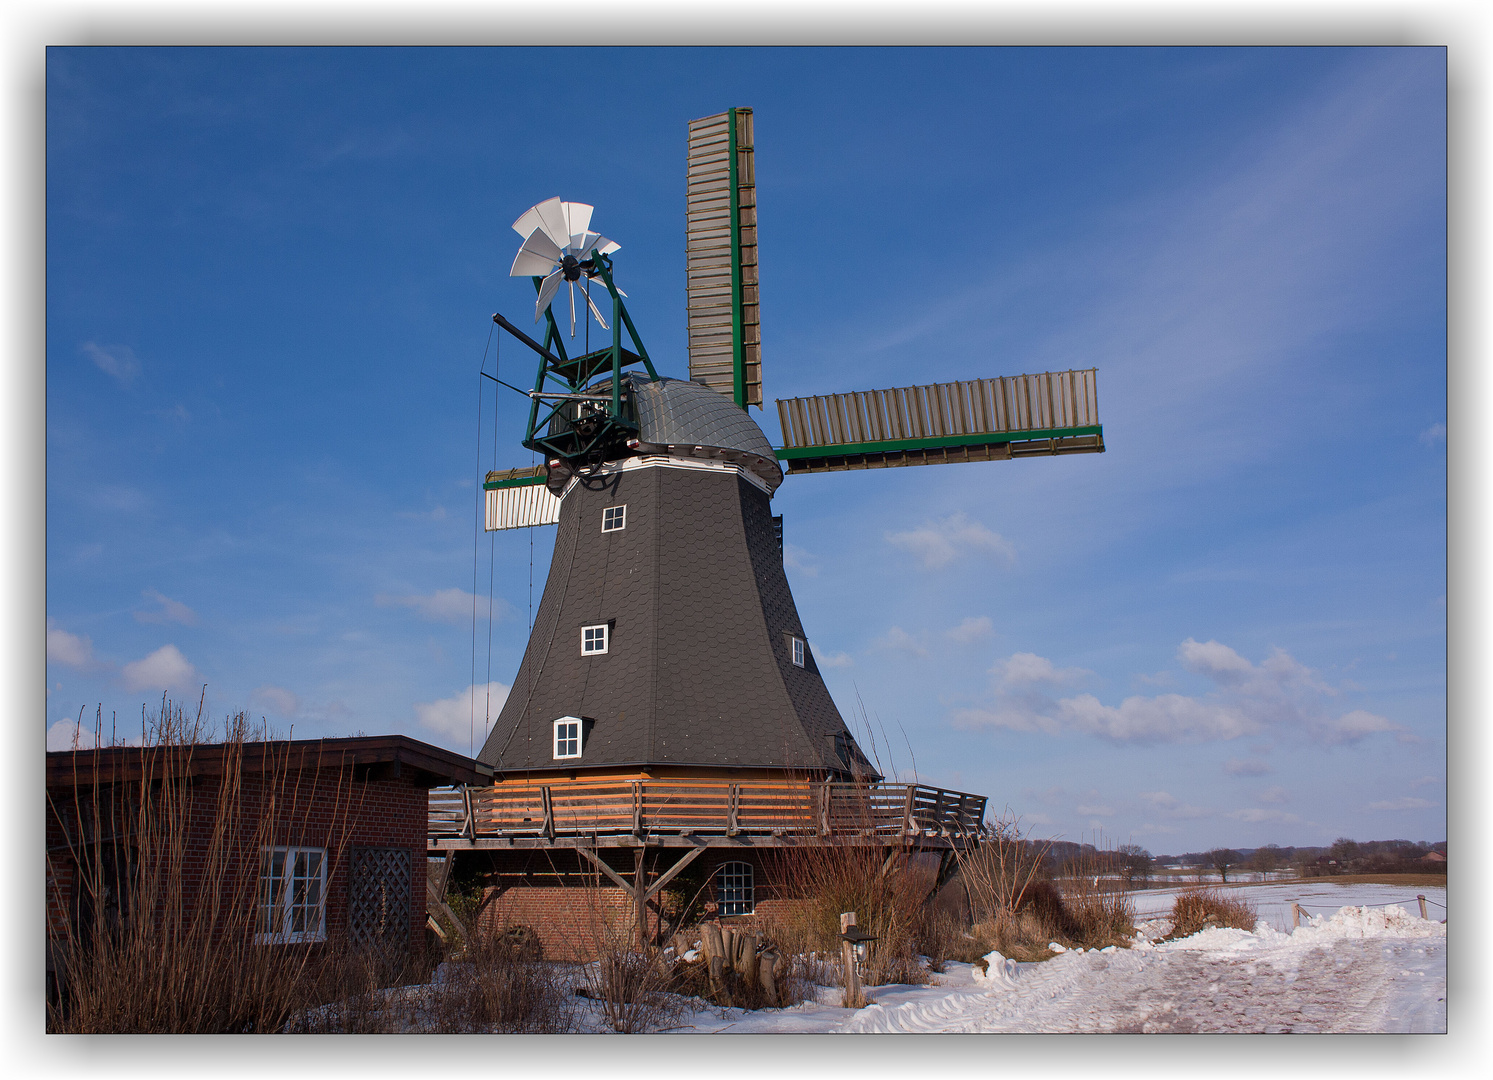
(549, 813)
(640, 898)
(1422, 900)
(733, 797)
(637, 808)
(668, 875)
(908, 825)
(1295, 915)
(469, 819)
(853, 997)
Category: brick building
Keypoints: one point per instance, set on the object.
(303, 841)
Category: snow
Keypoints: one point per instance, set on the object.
(1353, 967)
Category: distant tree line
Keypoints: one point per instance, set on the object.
(1344, 856)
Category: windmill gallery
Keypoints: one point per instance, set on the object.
(668, 724)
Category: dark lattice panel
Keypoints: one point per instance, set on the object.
(379, 897)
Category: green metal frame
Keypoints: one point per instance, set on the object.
(574, 443)
(794, 453)
(738, 346)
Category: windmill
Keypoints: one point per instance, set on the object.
(668, 698)
(698, 641)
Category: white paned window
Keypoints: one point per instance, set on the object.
(798, 651)
(614, 518)
(568, 737)
(733, 888)
(292, 895)
(594, 640)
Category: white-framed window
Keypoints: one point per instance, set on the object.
(292, 895)
(594, 639)
(799, 648)
(733, 888)
(614, 518)
(568, 737)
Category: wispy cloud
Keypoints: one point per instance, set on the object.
(67, 735)
(1435, 435)
(67, 649)
(1095, 811)
(445, 605)
(972, 629)
(277, 699)
(1407, 802)
(1172, 807)
(1249, 698)
(796, 558)
(899, 640)
(1245, 767)
(169, 610)
(833, 660)
(1276, 794)
(939, 543)
(164, 669)
(1256, 816)
(117, 361)
(460, 718)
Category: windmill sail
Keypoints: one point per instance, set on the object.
(725, 345)
(517, 499)
(1055, 412)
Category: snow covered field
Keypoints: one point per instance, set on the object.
(1355, 968)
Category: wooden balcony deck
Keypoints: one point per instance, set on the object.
(611, 812)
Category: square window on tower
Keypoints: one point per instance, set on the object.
(594, 639)
(568, 737)
(799, 649)
(614, 518)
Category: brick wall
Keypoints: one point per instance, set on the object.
(327, 807)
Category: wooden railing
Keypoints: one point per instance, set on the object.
(703, 807)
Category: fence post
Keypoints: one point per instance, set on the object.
(847, 960)
(1422, 900)
(1295, 914)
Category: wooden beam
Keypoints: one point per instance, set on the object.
(596, 860)
(669, 874)
(639, 897)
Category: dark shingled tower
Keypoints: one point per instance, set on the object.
(706, 664)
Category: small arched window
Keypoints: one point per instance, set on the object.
(733, 888)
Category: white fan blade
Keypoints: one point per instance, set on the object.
(537, 256)
(549, 216)
(587, 294)
(547, 290)
(602, 246)
(572, 308)
(577, 220)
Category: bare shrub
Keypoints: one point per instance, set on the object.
(149, 947)
(1099, 908)
(886, 891)
(633, 990)
(1197, 909)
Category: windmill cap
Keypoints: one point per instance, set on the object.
(689, 419)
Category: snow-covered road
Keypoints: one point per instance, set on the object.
(1362, 969)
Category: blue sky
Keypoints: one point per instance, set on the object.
(270, 276)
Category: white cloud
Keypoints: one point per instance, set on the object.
(1095, 811)
(1168, 718)
(940, 542)
(1173, 807)
(170, 610)
(462, 716)
(164, 669)
(1024, 669)
(1276, 794)
(1245, 767)
(277, 699)
(1249, 699)
(1256, 816)
(65, 648)
(60, 736)
(796, 558)
(833, 660)
(116, 360)
(899, 640)
(972, 629)
(1434, 434)
(1407, 802)
(446, 605)
(1427, 781)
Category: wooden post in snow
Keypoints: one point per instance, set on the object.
(1422, 900)
(853, 997)
(1295, 914)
